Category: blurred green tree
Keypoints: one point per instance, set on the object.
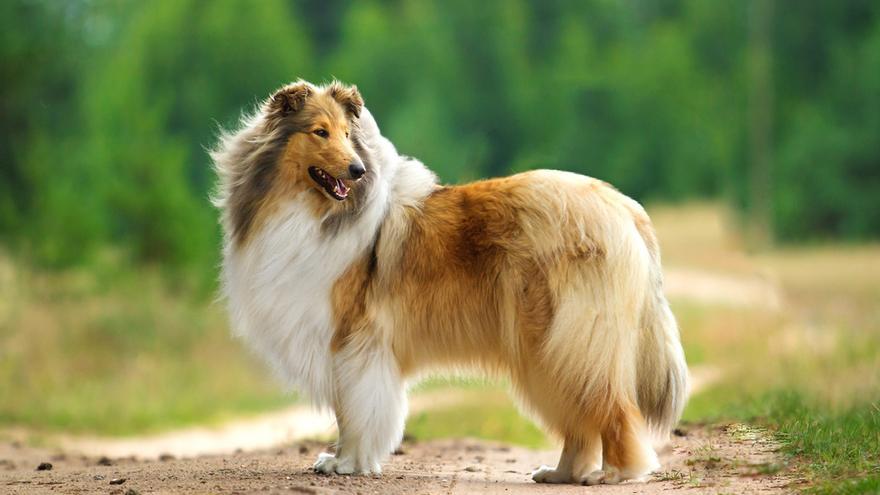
(108, 106)
(38, 63)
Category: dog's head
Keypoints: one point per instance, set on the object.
(320, 124)
(307, 141)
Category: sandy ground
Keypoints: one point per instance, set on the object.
(730, 458)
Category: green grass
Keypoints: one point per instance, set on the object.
(869, 484)
(837, 446)
(837, 450)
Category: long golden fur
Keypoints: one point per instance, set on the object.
(550, 278)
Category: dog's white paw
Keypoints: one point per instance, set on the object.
(326, 463)
(329, 464)
(375, 468)
(546, 474)
(602, 477)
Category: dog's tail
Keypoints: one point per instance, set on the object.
(661, 375)
(662, 370)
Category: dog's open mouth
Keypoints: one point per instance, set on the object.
(334, 187)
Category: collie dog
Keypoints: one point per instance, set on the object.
(351, 271)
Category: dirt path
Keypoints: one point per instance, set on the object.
(706, 459)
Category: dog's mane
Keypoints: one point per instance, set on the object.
(245, 161)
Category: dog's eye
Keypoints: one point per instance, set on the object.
(321, 132)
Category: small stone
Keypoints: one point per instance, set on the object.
(44, 466)
(303, 449)
(472, 469)
(105, 461)
(166, 457)
(680, 432)
(118, 481)
(132, 491)
(98, 477)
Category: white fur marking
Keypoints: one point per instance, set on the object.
(279, 290)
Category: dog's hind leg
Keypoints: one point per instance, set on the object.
(590, 457)
(582, 447)
(578, 455)
(627, 453)
(370, 406)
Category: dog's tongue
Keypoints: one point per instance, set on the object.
(341, 188)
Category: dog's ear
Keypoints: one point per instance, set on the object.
(291, 98)
(347, 96)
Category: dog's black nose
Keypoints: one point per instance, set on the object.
(356, 170)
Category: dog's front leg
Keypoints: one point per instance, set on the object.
(370, 406)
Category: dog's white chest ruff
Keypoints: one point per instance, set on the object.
(279, 291)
